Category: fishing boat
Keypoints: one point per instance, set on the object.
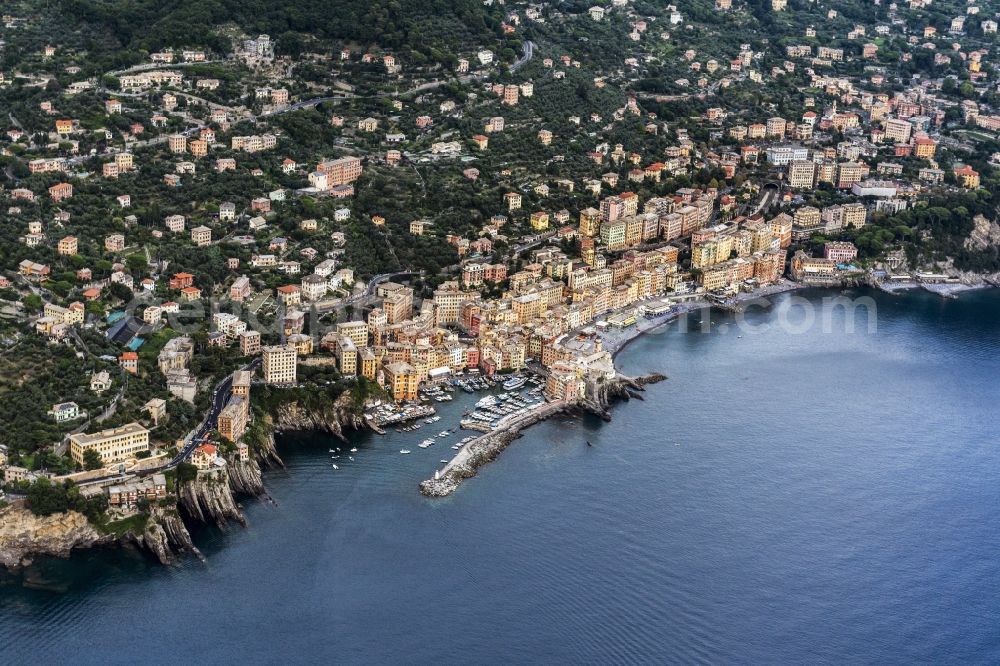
(335, 467)
(354, 450)
(404, 451)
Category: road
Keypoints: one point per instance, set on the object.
(527, 51)
(223, 391)
(769, 194)
(521, 247)
(375, 282)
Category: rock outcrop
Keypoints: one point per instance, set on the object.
(209, 499)
(25, 536)
(601, 396)
(985, 234)
(165, 537)
(334, 418)
(246, 478)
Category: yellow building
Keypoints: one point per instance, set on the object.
(355, 330)
(590, 222)
(369, 363)
(232, 421)
(968, 177)
(540, 221)
(402, 380)
(347, 355)
(114, 445)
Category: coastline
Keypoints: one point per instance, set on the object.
(485, 448)
(631, 334)
(220, 499)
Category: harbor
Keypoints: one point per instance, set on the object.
(488, 408)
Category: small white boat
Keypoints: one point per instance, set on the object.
(354, 450)
(443, 462)
(331, 451)
(404, 451)
(351, 458)
(335, 467)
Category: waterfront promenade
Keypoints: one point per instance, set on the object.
(615, 340)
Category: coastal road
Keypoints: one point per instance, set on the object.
(223, 391)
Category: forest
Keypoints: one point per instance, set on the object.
(402, 25)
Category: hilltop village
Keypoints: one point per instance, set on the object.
(203, 237)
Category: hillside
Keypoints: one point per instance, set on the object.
(428, 28)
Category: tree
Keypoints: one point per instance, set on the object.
(186, 472)
(92, 460)
(45, 499)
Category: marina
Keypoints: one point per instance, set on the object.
(485, 406)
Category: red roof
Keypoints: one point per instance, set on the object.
(129, 356)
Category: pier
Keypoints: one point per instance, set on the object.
(483, 449)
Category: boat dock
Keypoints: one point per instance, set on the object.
(484, 449)
(386, 418)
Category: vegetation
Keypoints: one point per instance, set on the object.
(45, 498)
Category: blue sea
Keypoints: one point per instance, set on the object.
(799, 490)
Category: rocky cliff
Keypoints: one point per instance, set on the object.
(165, 537)
(25, 536)
(334, 418)
(985, 233)
(246, 478)
(209, 499)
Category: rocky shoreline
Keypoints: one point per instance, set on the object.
(210, 499)
(25, 537)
